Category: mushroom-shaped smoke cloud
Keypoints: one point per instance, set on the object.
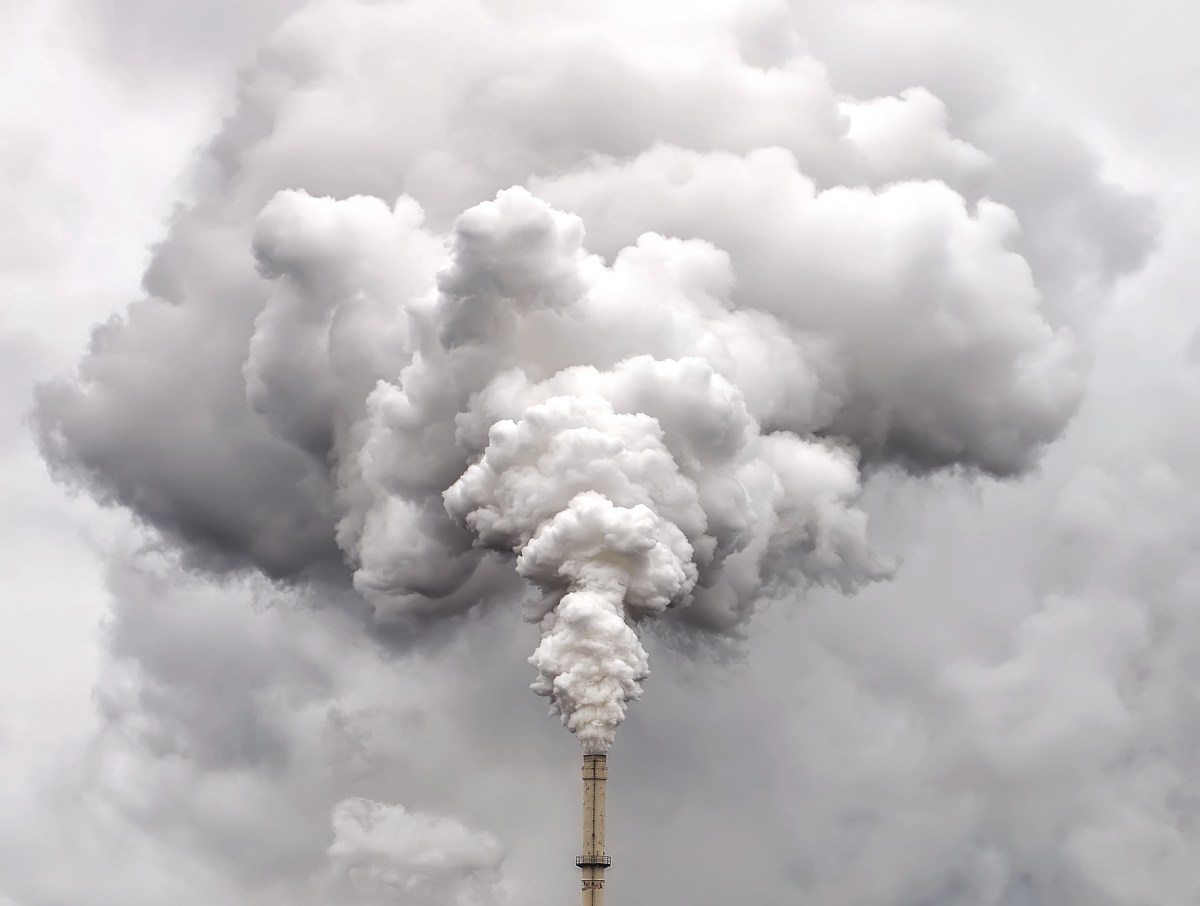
(669, 425)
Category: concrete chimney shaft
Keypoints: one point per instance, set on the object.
(593, 861)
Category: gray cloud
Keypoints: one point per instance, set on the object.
(226, 481)
(1079, 231)
(179, 39)
(1006, 722)
(341, 390)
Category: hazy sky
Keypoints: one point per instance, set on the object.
(1011, 720)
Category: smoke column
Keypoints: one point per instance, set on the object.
(645, 354)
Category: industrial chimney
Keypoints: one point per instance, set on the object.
(593, 861)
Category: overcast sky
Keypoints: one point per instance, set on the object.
(1010, 720)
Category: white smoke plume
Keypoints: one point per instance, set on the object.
(622, 492)
(619, 514)
(485, 276)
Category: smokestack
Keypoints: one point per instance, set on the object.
(593, 861)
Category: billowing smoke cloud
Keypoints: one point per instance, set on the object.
(471, 277)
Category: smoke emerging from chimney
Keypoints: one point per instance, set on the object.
(637, 321)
